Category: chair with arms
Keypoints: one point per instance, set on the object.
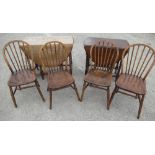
(137, 62)
(55, 59)
(21, 67)
(103, 56)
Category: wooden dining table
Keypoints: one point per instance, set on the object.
(37, 42)
(119, 43)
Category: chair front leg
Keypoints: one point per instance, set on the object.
(12, 96)
(38, 88)
(112, 96)
(76, 91)
(141, 100)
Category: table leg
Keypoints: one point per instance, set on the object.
(41, 72)
(70, 62)
(37, 66)
(87, 65)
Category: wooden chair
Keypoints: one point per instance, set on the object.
(55, 62)
(103, 56)
(21, 67)
(137, 62)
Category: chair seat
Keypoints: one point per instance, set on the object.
(21, 78)
(59, 80)
(100, 78)
(131, 83)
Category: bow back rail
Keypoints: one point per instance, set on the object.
(138, 61)
(15, 56)
(54, 57)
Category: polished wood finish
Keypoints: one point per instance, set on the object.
(103, 56)
(120, 44)
(55, 59)
(21, 67)
(136, 65)
(37, 42)
(36, 49)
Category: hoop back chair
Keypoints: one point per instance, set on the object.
(21, 67)
(103, 56)
(55, 62)
(136, 65)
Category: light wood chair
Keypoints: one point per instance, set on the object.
(137, 62)
(21, 67)
(103, 56)
(55, 63)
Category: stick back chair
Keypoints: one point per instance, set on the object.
(136, 65)
(21, 67)
(103, 56)
(55, 62)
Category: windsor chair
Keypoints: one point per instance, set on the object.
(103, 56)
(21, 67)
(136, 65)
(55, 59)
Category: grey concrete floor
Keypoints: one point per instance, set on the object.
(65, 104)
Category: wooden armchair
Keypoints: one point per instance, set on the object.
(136, 65)
(21, 67)
(103, 56)
(55, 63)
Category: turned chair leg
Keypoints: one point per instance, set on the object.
(141, 100)
(12, 96)
(108, 96)
(112, 96)
(76, 91)
(50, 92)
(38, 88)
(83, 89)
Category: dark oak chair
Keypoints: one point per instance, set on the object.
(55, 59)
(103, 56)
(137, 62)
(21, 67)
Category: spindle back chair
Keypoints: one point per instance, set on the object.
(55, 62)
(136, 65)
(21, 67)
(103, 56)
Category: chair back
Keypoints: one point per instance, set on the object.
(54, 57)
(14, 53)
(138, 60)
(103, 56)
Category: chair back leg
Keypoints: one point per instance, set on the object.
(76, 91)
(112, 96)
(83, 89)
(38, 88)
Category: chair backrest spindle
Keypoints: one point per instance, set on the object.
(138, 61)
(15, 55)
(54, 57)
(103, 56)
